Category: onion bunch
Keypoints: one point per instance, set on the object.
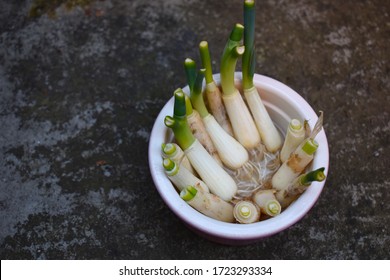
(232, 163)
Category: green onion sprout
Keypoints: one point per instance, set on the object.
(233, 50)
(248, 58)
(213, 94)
(178, 123)
(242, 122)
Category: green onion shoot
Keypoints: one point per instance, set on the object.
(199, 130)
(270, 136)
(305, 180)
(299, 185)
(230, 151)
(212, 92)
(242, 122)
(194, 115)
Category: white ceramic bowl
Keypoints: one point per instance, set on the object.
(283, 104)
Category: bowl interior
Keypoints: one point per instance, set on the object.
(282, 104)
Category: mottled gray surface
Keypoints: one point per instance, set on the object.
(79, 92)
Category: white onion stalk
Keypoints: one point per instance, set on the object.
(270, 136)
(294, 136)
(175, 153)
(215, 177)
(208, 204)
(211, 173)
(180, 176)
(200, 132)
(245, 212)
(267, 202)
(230, 151)
(295, 165)
(244, 127)
(212, 92)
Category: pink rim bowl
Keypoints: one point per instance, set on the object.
(282, 104)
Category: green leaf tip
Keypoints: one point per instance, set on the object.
(197, 96)
(206, 61)
(168, 164)
(312, 176)
(199, 81)
(179, 107)
(310, 146)
(232, 51)
(168, 148)
(249, 4)
(190, 70)
(237, 32)
(189, 108)
(188, 193)
(249, 57)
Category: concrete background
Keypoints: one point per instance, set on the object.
(81, 84)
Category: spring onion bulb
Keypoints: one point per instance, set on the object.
(242, 122)
(207, 203)
(212, 174)
(180, 176)
(267, 202)
(213, 94)
(215, 177)
(199, 130)
(231, 152)
(294, 136)
(295, 164)
(270, 136)
(175, 153)
(246, 212)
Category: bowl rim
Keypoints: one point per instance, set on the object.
(232, 231)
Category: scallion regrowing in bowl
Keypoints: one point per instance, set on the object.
(236, 166)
